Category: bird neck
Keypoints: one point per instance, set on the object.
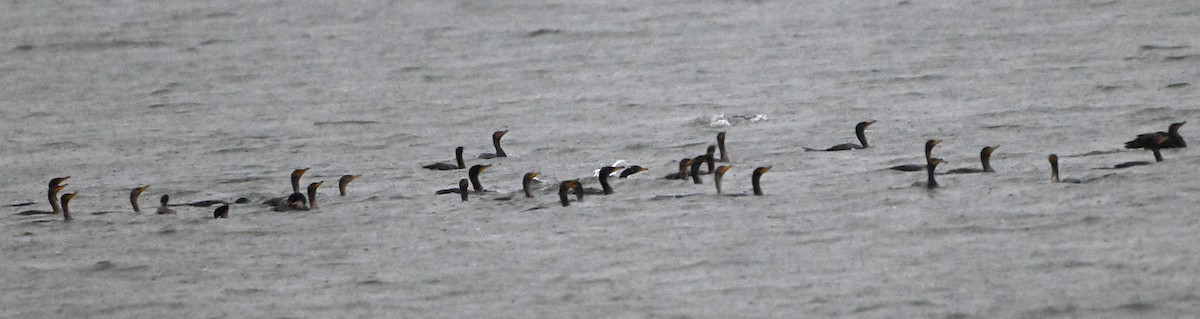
(133, 200)
(458, 158)
(932, 182)
(66, 211)
(474, 176)
(499, 150)
(721, 147)
(54, 200)
(1054, 172)
(862, 136)
(754, 182)
(604, 183)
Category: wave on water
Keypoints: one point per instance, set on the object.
(723, 120)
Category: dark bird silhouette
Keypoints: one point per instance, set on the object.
(496, 142)
(758, 172)
(918, 167)
(56, 185)
(458, 159)
(721, 146)
(985, 157)
(1174, 140)
(859, 131)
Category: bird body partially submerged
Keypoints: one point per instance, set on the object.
(458, 159)
(163, 208)
(56, 185)
(683, 170)
(919, 167)
(496, 143)
(473, 177)
(221, 212)
(859, 131)
(985, 157)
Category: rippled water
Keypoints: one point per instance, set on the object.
(220, 100)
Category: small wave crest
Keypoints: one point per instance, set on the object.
(724, 120)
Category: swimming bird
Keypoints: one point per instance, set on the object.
(1155, 146)
(458, 159)
(718, 174)
(496, 142)
(985, 156)
(634, 169)
(721, 146)
(345, 180)
(932, 166)
(163, 208)
(281, 201)
(242, 200)
(526, 187)
(1174, 140)
(1054, 172)
(694, 170)
(296, 202)
(312, 194)
(56, 185)
(915, 167)
(683, 170)
(133, 197)
(473, 176)
(221, 212)
(860, 131)
(566, 186)
(66, 210)
(605, 172)
(527, 182)
(758, 172)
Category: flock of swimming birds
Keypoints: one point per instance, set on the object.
(689, 167)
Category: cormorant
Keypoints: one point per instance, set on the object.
(758, 172)
(1174, 140)
(496, 142)
(1054, 172)
(721, 146)
(860, 131)
(915, 167)
(345, 180)
(458, 158)
(985, 156)
(162, 208)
